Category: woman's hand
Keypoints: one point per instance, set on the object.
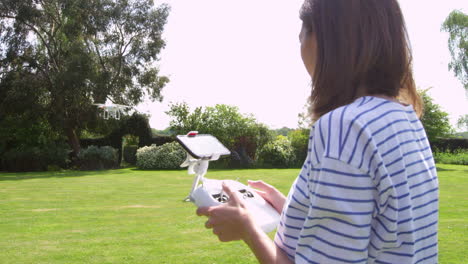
(232, 221)
(229, 221)
(270, 194)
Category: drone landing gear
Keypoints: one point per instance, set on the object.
(199, 167)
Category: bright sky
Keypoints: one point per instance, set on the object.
(246, 53)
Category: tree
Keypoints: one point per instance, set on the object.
(462, 123)
(236, 131)
(278, 153)
(223, 121)
(299, 139)
(80, 53)
(304, 118)
(456, 25)
(435, 121)
(284, 131)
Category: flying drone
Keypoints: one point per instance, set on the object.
(112, 110)
(201, 149)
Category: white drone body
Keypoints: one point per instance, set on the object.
(208, 192)
(112, 110)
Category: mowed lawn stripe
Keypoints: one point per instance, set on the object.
(134, 216)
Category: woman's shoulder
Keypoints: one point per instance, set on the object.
(340, 131)
(355, 113)
(364, 111)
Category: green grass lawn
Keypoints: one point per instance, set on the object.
(132, 216)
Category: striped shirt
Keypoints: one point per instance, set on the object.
(368, 190)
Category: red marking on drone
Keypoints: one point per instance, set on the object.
(192, 133)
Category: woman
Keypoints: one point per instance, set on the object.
(368, 190)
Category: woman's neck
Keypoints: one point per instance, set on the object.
(362, 91)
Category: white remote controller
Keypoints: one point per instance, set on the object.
(201, 149)
(210, 193)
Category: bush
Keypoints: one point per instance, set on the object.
(277, 154)
(238, 132)
(129, 154)
(160, 140)
(238, 159)
(458, 157)
(299, 141)
(57, 155)
(98, 158)
(167, 156)
(449, 144)
(36, 158)
(26, 159)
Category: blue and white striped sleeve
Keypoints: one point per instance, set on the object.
(337, 204)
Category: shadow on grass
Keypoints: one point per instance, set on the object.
(458, 170)
(137, 169)
(17, 176)
(442, 169)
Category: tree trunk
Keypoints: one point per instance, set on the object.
(73, 141)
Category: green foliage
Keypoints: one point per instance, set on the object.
(462, 135)
(462, 123)
(27, 159)
(239, 133)
(130, 140)
(98, 158)
(456, 25)
(304, 118)
(63, 55)
(132, 130)
(299, 139)
(129, 154)
(29, 143)
(284, 131)
(167, 156)
(26, 130)
(435, 121)
(56, 154)
(34, 158)
(457, 157)
(166, 132)
(137, 125)
(449, 144)
(223, 121)
(277, 154)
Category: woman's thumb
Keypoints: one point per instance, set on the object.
(231, 193)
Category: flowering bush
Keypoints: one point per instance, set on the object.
(167, 156)
(97, 158)
(277, 153)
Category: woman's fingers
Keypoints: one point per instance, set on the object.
(233, 198)
(229, 221)
(263, 194)
(204, 211)
(209, 223)
(262, 188)
(270, 194)
(256, 184)
(261, 185)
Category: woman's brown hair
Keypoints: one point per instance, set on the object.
(362, 49)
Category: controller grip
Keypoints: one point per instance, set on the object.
(211, 194)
